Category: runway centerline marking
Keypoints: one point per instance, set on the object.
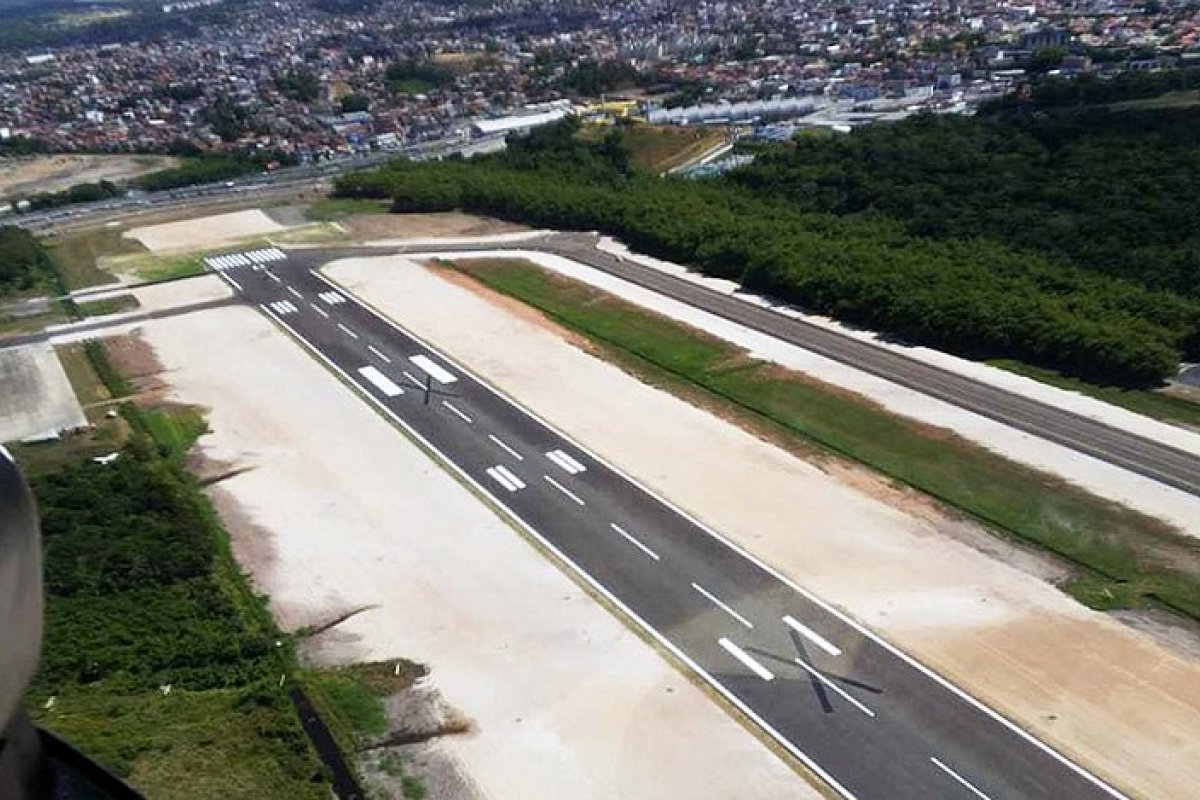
(319, 310)
(433, 369)
(831, 685)
(297, 295)
(376, 353)
(454, 409)
(380, 381)
(959, 778)
(721, 605)
(633, 540)
(744, 657)
(347, 331)
(564, 490)
(814, 637)
(503, 476)
(564, 460)
(506, 448)
(413, 378)
(272, 276)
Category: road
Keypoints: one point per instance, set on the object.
(869, 720)
(1163, 463)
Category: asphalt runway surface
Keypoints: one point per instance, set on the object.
(1169, 465)
(872, 722)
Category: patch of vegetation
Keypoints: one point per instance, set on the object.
(23, 262)
(1152, 404)
(79, 193)
(658, 149)
(329, 209)
(412, 788)
(1136, 558)
(212, 168)
(416, 77)
(156, 652)
(351, 698)
(109, 305)
(76, 256)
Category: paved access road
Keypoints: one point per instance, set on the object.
(871, 721)
(1152, 459)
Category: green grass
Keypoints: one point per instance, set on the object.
(1181, 99)
(412, 788)
(329, 209)
(1143, 401)
(109, 305)
(76, 256)
(659, 149)
(350, 699)
(160, 270)
(1138, 559)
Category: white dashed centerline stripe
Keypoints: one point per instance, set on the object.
(272, 276)
(295, 294)
(966, 784)
(347, 331)
(564, 490)
(375, 352)
(319, 310)
(814, 637)
(456, 411)
(435, 370)
(506, 448)
(569, 465)
(380, 381)
(831, 685)
(722, 606)
(744, 657)
(414, 378)
(633, 540)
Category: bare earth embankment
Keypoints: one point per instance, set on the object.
(24, 176)
(1110, 696)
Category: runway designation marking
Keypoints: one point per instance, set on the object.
(506, 448)
(505, 478)
(376, 353)
(564, 490)
(456, 412)
(716, 601)
(966, 784)
(380, 381)
(433, 369)
(744, 657)
(633, 540)
(831, 685)
(347, 331)
(814, 637)
(319, 310)
(562, 459)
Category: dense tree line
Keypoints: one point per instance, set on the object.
(38, 26)
(1087, 90)
(415, 77)
(968, 295)
(594, 78)
(79, 193)
(207, 169)
(23, 261)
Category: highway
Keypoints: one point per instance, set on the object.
(869, 720)
(1169, 465)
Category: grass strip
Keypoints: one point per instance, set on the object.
(1127, 558)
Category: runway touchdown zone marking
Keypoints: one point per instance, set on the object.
(284, 307)
(503, 476)
(568, 464)
(380, 381)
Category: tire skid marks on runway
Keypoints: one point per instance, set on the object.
(747, 661)
(816, 674)
(566, 462)
(722, 605)
(504, 476)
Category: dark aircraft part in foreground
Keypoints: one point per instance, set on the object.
(33, 764)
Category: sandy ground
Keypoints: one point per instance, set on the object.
(24, 176)
(36, 399)
(339, 511)
(426, 226)
(203, 232)
(1146, 495)
(1109, 695)
(173, 294)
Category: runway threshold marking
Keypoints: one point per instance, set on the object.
(380, 381)
(454, 409)
(503, 476)
(347, 331)
(831, 685)
(633, 540)
(564, 490)
(965, 783)
(376, 353)
(506, 448)
(814, 637)
(433, 369)
(717, 601)
(744, 657)
(568, 464)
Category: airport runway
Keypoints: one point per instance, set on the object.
(872, 722)
(1152, 459)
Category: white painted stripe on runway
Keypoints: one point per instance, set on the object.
(380, 381)
(319, 310)
(633, 540)
(831, 685)
(721, 605)
(240, 260)
(277, 254)
(570, 465)
(500, 479)
(959, 778)
(506, 448)
(458, 413)
(290, 306)
(295, 294)
(332, 298)
(347, 331)
(564, 490)
(234, 283)
(414, 379)
(784, 742)
(434, 369)
(744, 657)
(272, 275)
(513, 479)
(374, 351)
(814, 637)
